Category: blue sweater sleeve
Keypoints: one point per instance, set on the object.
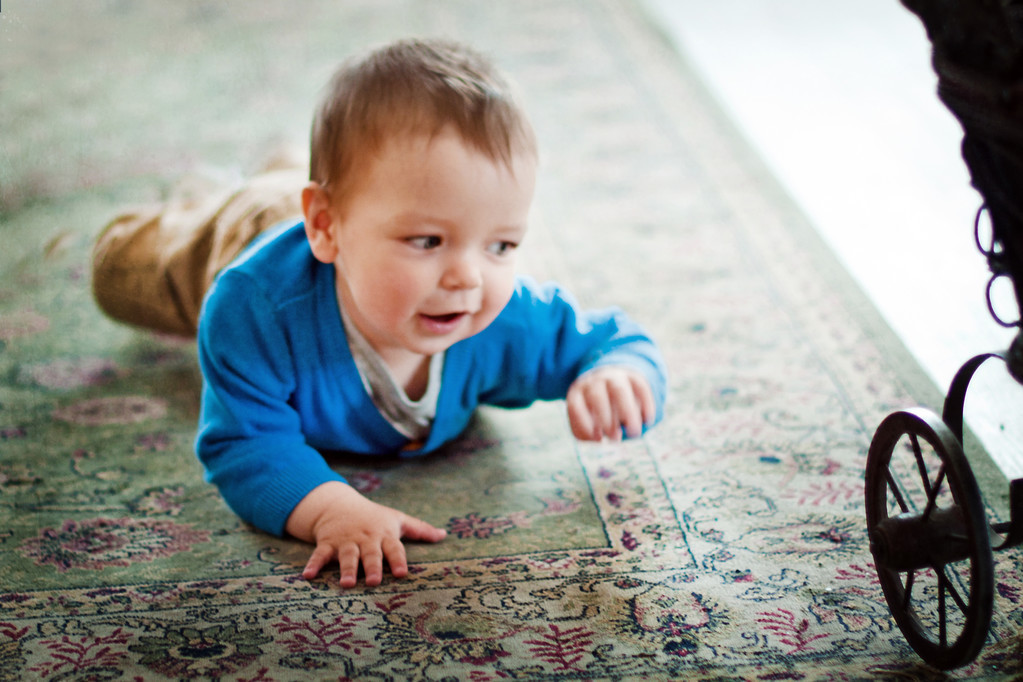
(250, 438)
(547, 341)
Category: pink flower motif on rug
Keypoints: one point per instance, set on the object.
(1009, 578)
(561, 504)
(319, 644)
(100, 543)
(482, 527)
(552, 563)
(562, 647)
(86, 658)
(789, 629)
(160, 501)
(12, 432)
(112, 411)
(67, 373)
(823, 493)
(23, 323)
(12, 656)
(365, 482)
(152, 442)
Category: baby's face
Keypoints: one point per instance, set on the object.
(427, 242)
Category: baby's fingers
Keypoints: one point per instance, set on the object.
(602, 410)
(579, 417)
(610, 402)
(645, 395)
(394, 552)
(627, 407)
(322, 555)
(590, 412)
(373, 564)
(348, 560)
(419, 530)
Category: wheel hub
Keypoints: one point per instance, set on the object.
(911, 541)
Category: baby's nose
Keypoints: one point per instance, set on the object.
(462, 273)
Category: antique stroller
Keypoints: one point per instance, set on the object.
(930, 531)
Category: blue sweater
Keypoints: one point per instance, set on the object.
(280, 384)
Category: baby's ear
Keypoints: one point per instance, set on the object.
(319, 222)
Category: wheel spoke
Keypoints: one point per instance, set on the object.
(921, 467)
(942, 625)
(932, 495)
(907, 596)
(956, 597)
(893, 485)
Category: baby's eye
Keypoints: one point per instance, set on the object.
(424, 242)
(502, 248)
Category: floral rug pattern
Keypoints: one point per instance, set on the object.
(729, 543)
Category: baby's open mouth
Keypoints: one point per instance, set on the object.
(449, 317)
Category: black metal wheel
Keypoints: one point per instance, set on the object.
(929, 537)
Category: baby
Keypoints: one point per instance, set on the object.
(380, 321)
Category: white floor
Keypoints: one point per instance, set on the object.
(839, 99)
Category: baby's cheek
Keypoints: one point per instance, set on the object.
(493, 303)
(397, 293)
(499, 291)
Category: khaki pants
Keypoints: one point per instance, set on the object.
(152, 266)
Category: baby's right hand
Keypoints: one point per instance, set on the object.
(346, 526)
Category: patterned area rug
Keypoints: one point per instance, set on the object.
(727, 544)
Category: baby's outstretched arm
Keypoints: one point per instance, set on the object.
(346, 526)
(604, 401)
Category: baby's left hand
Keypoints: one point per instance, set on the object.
(605, 400)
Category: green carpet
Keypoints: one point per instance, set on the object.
(727, 544)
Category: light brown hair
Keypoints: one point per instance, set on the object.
(413, 87)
